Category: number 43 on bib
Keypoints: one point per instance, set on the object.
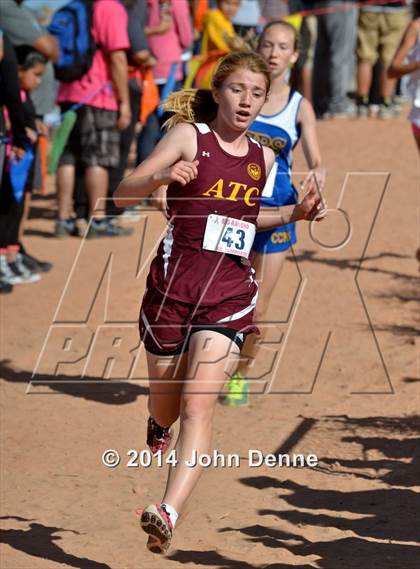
(229, 235)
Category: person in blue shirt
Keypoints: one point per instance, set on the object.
(285, 118)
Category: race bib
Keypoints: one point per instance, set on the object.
(229, 235)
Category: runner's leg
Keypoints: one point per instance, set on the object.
(211, 359)
(166, 374)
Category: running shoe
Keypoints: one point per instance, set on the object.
(24, 274)
(5, 288)
(237, 392)
(387, 111)
(106, 228)
(158, 438)
(7, 276)
(362, 110)
(34, 264)
(156, 522)
(64, 228)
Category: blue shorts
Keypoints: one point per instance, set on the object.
(283, 237)
(275, 240)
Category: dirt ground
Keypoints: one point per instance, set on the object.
(337, 377)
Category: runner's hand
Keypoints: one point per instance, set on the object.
(320, 174)
(158, 199)
(312, 207)
(182, 172)
(315, 179)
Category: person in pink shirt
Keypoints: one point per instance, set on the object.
(169, 32)
(167, 46)
(93, 144)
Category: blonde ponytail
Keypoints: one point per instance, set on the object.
(190, 105)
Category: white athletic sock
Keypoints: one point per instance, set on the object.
(172, 512)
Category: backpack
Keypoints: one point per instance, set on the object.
(71, 26)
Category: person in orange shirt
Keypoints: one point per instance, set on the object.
(199, 11)
(217, 30)
(218, 26)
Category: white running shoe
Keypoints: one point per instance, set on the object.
(6, 274)
(156, 522)
(22, 272)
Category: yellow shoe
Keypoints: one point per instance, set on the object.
(238, 392)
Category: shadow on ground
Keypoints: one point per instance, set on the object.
(89, 388)
(378, 517)
(41, 541)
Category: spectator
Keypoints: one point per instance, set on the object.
(302, 71)
(218, 27)
(274, 10)
(31, 67)
(139, 57)
(247, 19)
(381, 26)
(94, 141)
(21, 28)
(169, 32)
(9, 99)
(334, 57)
(218, 39)
(199, 9)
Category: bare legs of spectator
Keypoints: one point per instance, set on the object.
(364, 81)
(65, 185)
(305, 62)
(306, 83)
(96, 185)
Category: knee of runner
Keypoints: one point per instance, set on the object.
(196, 408)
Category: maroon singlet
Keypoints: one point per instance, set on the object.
(226, 185)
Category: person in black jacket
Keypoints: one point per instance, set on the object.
(31, 65)
(10, 210)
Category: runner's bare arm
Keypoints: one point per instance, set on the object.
(398, 68)
(307, 121)
(271, 217)
(171, 161)
(310, 208)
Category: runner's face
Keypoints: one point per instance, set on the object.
(31, 78)
(241, 98)
(229, 7)
(277, 48)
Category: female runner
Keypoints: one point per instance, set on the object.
(285, 117)
(201, 292)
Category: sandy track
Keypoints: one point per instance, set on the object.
(344, 388)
